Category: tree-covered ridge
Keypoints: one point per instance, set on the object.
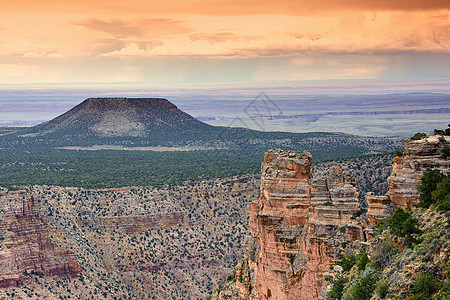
(108, 169)
(422, 135)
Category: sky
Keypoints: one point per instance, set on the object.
(220, 41)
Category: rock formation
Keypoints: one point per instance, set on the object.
(379, 207)
(25, 245)
(418, 156)
(299, 226)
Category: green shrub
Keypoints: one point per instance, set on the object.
(382, 255)
(382, 289)
(445, 153)
(435, 190)
(348, 261)
(231, 276)
(403, 224)
(364, 288)
(291, 258)
(356, 214)
(382, 225)
(428, 184)
(419, 136)
(425, 285)
(399, 153)
(441, 196)
(442, 132)
(363, 259)
(337, 289)
(444, 293)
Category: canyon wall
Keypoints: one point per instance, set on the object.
(25, 245)
(299, 225)
(407, 169)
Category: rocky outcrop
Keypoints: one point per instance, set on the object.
(25, 245)
(379, 207)
(138, 224)
(299, 226)
(407, 169)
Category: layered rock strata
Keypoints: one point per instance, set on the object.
(407, 169)
(298, 227)
(25, 245)
(379, 207)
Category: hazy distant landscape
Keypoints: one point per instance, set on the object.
(378, 108)
(90, 146)
(369, 115)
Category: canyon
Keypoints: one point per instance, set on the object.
(301, 225)
(133, 242)
(287, 228)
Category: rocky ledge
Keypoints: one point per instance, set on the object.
(408, 168)
(25, 245)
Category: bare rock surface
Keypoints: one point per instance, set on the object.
(297, 226)
(418, 156)
(27, 246)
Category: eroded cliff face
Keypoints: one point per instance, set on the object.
(25, 245)
(418, 156)
(379, 207)
(299, 225)
(138, 242)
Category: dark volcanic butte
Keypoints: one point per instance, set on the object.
(121, 117)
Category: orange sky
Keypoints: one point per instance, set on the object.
(51, 41)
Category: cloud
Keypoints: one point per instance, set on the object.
(359, 34)
(130, 50)
(220, 7)
(41, 54)
(101, 33)
(361, 72)
(126, 28)
(114, 27)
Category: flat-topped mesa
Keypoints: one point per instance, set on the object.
(298, 226)
(407, 169)
(115, 118)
